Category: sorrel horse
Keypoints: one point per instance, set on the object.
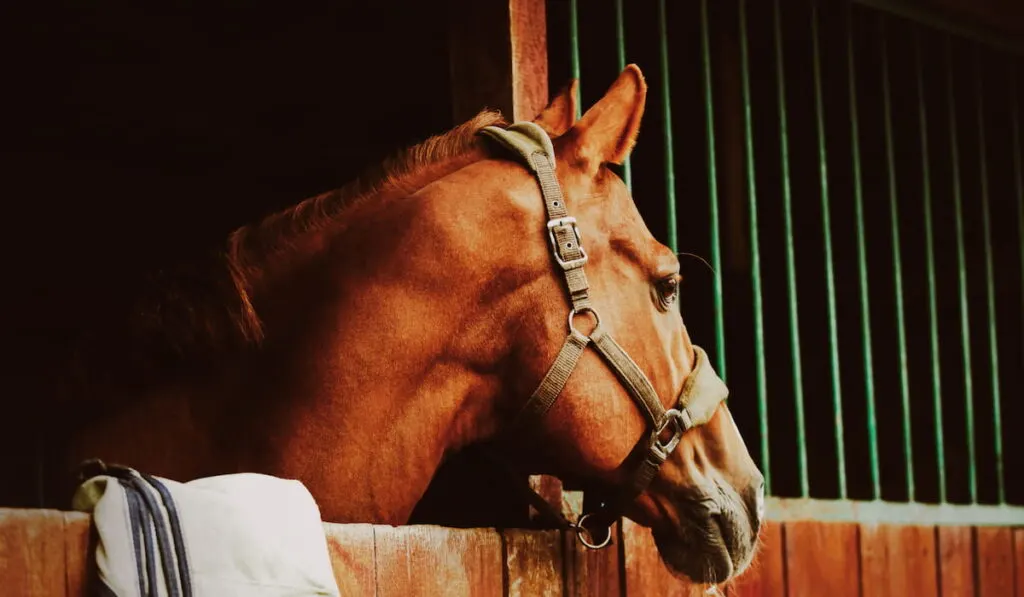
(370, 332)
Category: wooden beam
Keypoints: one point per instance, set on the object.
(498, 57)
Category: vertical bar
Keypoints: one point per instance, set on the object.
(993, 340)
(830, 284)
(716, 242)
(897, 261)
(574, 53)
(787, 210)
(929, 239)
(965, 330)
(862, 266)
(666, 102)
(620, 45)
(755, 254)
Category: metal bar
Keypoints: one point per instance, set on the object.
(897, 261)
(929, 239)
(830, 283)
(898, 513)
(666, 101)
(755, 255)
(993, 340)
(912, 11)
(620, 45)
(787, 211)
(862, 266)
(716, 241)
(972, 478)
(574, 53)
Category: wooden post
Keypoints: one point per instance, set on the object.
(498, 57)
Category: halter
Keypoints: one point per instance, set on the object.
(702, 391)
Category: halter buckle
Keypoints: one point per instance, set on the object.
(567, 264)
(680, 421)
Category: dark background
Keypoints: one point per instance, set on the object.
(134, 138)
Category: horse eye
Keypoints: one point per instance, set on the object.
(668, 291)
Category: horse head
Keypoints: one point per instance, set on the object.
(639, 421)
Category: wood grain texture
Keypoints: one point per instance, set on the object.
(898, 560)
(79, 545)
(498, 57)
(646, 573)
(995, 561)
(534, 563)
(528, 20)
(595, 571)
(956, 561)
(822, 559)
(1018, 559)
(32, 560)
(766, 575)
(352, 557)
(428, 560)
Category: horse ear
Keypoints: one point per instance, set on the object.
(608, 131)
(559, 116)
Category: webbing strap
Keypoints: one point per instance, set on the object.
(631, 376)
(534, 146)
(551, 386)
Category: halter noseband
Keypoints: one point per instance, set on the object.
(702, 391)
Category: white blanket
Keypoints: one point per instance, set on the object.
(243, 534)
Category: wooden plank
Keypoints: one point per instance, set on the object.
(429, 560)
(595, 571)
(898, 560)
(956, 561)
(351, 549)
(533, 563)
(79, 564)
(646, 573)
(498, 57)
(32, 552)
(765, 576)
(995, 560)
(821, 559)
(1018, 558)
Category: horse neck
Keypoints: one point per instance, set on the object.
(379, 360)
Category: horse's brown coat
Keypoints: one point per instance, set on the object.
(397, 321)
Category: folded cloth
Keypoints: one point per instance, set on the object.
(239, 534)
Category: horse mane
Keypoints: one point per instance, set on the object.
(197, 312)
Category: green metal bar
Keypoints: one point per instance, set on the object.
(897, 262)
(862, 263)
(830, 284)
(755, 254)
(993, 340)
(574, 53)
(929, 239)
(620, 45)
(716, 241)
(787, 211)
(666, 101)
(965, 330)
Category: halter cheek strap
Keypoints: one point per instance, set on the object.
(702, 391)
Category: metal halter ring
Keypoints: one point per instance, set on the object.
(582, 533)
(574, 312)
